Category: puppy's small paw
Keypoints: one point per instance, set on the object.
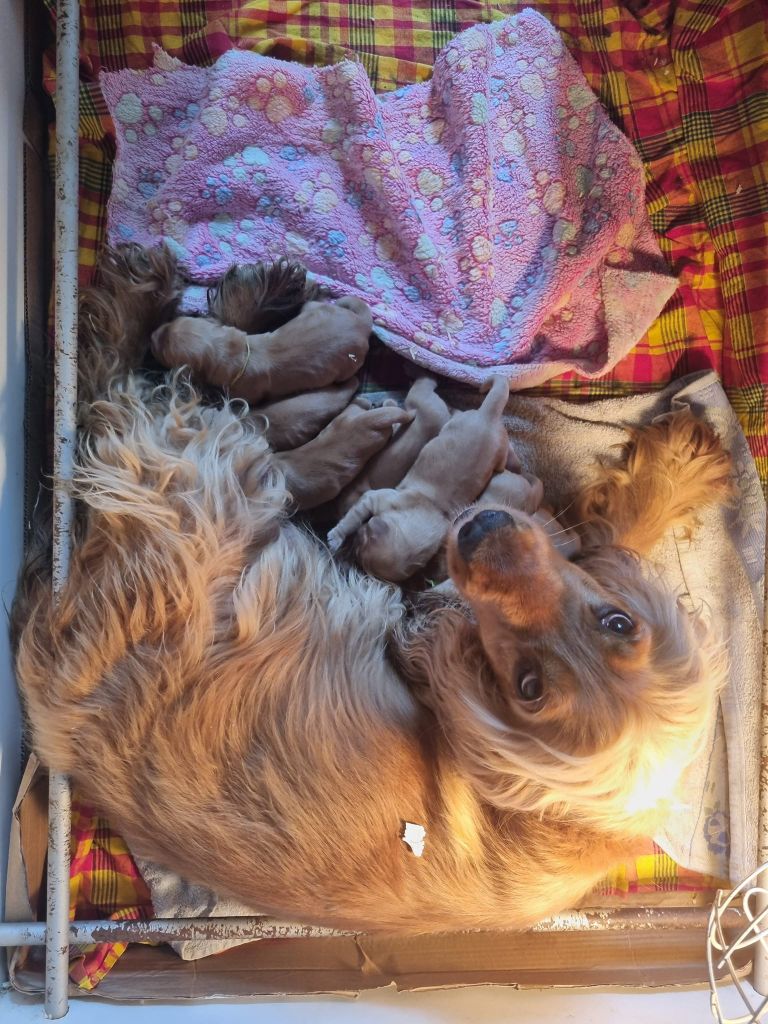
(387, 417)
(334, 540)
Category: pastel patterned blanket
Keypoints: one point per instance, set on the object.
(493, 217)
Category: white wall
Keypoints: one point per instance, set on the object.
(11, 391)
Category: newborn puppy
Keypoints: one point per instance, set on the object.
(317, 471)
(524, 492)
(291, 422)
(387, 469)
(399, 530)
(325, 344)
(513, 490)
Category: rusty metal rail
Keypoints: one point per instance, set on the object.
(64, 444)
(181, 929)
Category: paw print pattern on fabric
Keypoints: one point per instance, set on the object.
(149, 182)
(463, 209)
(217, 186)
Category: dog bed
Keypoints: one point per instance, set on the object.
(660, 72)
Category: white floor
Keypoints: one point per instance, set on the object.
(467, 1006)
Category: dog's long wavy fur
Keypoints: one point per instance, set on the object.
(265, 723)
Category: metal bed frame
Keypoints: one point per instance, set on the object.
(57, 933)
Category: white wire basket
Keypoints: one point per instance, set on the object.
(747, 905)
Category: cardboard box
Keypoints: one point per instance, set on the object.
(604, 949)
(602, 952)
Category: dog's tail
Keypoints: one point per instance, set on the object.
(137, 290)
(259, 297)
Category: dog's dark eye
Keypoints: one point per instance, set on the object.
(617, 622)
(529, 686)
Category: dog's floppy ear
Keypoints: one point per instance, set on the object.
(668, 471)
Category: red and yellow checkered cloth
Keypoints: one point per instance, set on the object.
(103, 883)
(687, 80)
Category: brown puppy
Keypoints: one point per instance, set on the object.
(291, 422)
(317, 471)
(325, 344)
(515, 490)
(397, 531)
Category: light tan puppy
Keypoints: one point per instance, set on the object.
(387, 469)
(397, 531)
(317, 471)
(325, 344)
(516, 490)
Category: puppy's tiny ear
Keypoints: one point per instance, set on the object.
(374, 531)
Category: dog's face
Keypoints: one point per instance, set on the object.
(585, 664)
(565, 649)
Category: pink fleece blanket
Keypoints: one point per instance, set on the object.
(493, 217)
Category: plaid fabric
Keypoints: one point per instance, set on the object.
(687, 80)
(654, 871)
(103, 883)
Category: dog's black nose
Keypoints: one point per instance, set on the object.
(481, 525)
